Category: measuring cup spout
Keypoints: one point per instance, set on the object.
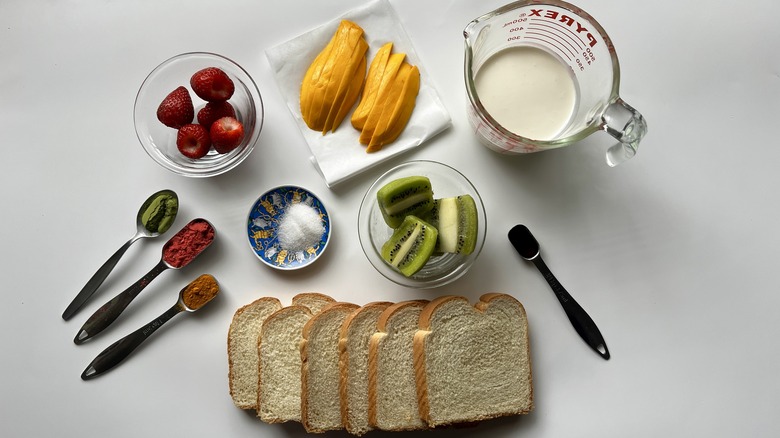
(628, 126)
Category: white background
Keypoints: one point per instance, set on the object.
(674, 254)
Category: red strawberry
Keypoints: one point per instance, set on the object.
(176, 109)
(226, 134)
(193, 141)
(214, 111)
(212, 84)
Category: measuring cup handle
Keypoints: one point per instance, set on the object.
(623, 122)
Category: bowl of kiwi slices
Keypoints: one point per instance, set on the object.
(422, 224)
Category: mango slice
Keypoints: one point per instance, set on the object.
(394, 97)
(371, 89)
(394, 64)
(394, 118)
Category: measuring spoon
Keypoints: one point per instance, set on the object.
(528, 248)
(185, 242)
(141, 232)
(194, 296)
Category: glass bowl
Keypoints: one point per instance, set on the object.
(264, 218)
(373, 232)
(159, 141)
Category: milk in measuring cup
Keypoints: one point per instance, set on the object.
(528, 91)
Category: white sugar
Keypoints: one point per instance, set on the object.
(301, 227)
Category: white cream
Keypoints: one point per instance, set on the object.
(528, 91)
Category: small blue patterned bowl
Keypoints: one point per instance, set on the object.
(264, 219)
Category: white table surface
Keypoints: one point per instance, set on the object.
(674, 253)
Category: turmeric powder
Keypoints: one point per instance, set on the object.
(202, 290)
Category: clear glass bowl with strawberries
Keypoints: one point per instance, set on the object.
(198, 114)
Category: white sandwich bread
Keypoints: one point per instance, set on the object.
(242, 350)
(472, 362)
(313, 300)
(392, 386)
(320, 403)
(405, 366)
(279, 363)
(353, 364)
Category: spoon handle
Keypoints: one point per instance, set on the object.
(580, 319)
(105, 315)
(119, 350)
(97, 279)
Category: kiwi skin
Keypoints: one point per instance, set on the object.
(399, 191)
(420, 251)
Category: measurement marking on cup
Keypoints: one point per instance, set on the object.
(554, 37)
(552, 43)
(563, 30)
(555, 16)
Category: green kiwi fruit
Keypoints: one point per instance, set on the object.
(456, 220)
(410, 246)
(402, 197)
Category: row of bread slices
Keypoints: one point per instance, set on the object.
(404, 366)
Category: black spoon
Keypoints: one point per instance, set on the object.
(528, 248)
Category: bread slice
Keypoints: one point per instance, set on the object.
(392, 384)
(473, 362)
(313, 300)
(320, 404)
(353, 364)
(279, 364)
(279, 371)
(242, 350)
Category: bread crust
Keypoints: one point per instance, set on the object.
(419, 354)
(230, 341)
(344, 361)
(304, 348)
(373, 358)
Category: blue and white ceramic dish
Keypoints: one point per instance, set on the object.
(264, 219)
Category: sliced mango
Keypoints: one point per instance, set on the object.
(352, 94)
(312, 75)
(398, 109)
(394, 64)
(328, 79)
(357, 59)
(371, 89)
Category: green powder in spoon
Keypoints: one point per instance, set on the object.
(160, 213)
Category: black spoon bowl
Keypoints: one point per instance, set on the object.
(528, 247)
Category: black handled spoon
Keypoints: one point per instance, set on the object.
(528, 248)
(194, 296)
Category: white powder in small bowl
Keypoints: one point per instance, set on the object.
(301, 227)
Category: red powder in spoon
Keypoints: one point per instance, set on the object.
(188, 243)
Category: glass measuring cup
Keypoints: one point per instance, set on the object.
(581, 45)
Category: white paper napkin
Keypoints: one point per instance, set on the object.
(339, 155)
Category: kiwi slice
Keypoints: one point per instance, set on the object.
(410, 246)
(456, 220)
(402, 197)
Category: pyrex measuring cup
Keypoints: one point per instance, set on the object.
(583, 48)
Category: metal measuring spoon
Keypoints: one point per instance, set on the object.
(105, 315)
(194, 296)
(141, 232)
(528, 248)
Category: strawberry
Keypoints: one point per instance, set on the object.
(212, 84)
(176, 109)
(214, 111)
(193, 141)
(226, 134)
